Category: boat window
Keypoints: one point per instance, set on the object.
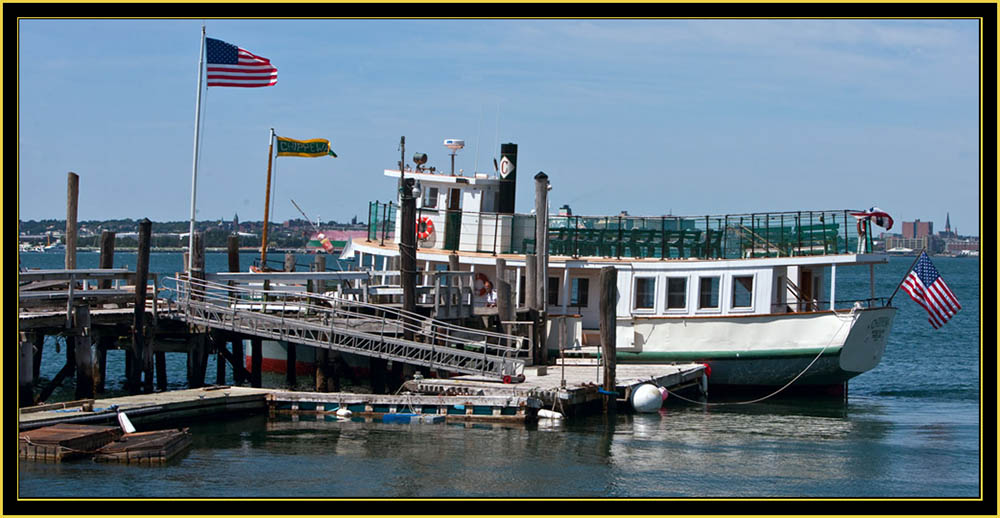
(431, 197)
(708, 293)
(554, 283)
(645, 291)
(579, 292)
(742, 291)
(676, 292)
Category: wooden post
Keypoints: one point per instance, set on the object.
(290, 352)
(196, 360)
(107, 259)
(408, 248)
(25, 381)
(104, 342)
(63, 373)
(239, 356)
(36, 365)
(531, 302)
(542, 238)
(84, 354)
(72, 198)
(322, 355)
(609, 294)
(140, 350)
(378, 367)
(256, 358)
(505, 307)
(161, 370)
(530, 281)
(322, 359)
(233, 251)
(290, 347)
(542, 263)
(220, 358)
(319, 265)
(197, 352)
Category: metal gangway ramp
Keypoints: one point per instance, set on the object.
(277, 305)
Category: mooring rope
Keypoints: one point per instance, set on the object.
(850, 318)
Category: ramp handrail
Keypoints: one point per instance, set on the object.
(290, 308)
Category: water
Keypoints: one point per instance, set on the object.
(911, 429)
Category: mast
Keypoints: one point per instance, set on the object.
(194, 165)
(267, 201)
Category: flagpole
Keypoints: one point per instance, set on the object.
(194, 160)
(267, 200)
(905, 275)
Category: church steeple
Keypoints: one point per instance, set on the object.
(947, 222)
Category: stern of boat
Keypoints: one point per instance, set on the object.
(865, 344)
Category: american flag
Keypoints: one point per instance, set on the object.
(229, 65)
(928, 289)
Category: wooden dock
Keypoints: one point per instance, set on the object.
(64, 441)
(154, 447)
(218, 401)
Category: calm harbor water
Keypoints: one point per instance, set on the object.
(911, 429)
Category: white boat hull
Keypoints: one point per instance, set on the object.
(826, 348)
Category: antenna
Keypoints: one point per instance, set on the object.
(479, 137)
(454, 144)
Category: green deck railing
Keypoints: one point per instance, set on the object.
(729, 236)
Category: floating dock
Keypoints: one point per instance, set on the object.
(569, 387)
(61, 442)
(154, 447)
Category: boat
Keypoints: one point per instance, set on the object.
(752, 296)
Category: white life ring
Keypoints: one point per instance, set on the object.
(428, 228)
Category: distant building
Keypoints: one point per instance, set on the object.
(565, 210)
(917, 229)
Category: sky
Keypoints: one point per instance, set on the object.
(682, 117)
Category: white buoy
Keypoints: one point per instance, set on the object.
(548, 414)
(343, 412)
(647, 398)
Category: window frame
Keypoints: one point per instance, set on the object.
(666, 294)
(586, 299)
(718, 303)
(732, 293)
(635, 293)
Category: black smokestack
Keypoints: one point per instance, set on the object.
(508, 177)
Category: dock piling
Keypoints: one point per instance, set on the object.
(26, 391)
(84, 353)
(72, 198)
(141, 349)
(256, 358)
(609, 292)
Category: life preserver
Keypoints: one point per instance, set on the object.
(428, 228)
(481, 280)
(861, 226)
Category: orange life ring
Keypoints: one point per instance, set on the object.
(861, 226)
(428, 228)
(482, 279)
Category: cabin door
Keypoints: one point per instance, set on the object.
(453, 220)
(806, 303)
